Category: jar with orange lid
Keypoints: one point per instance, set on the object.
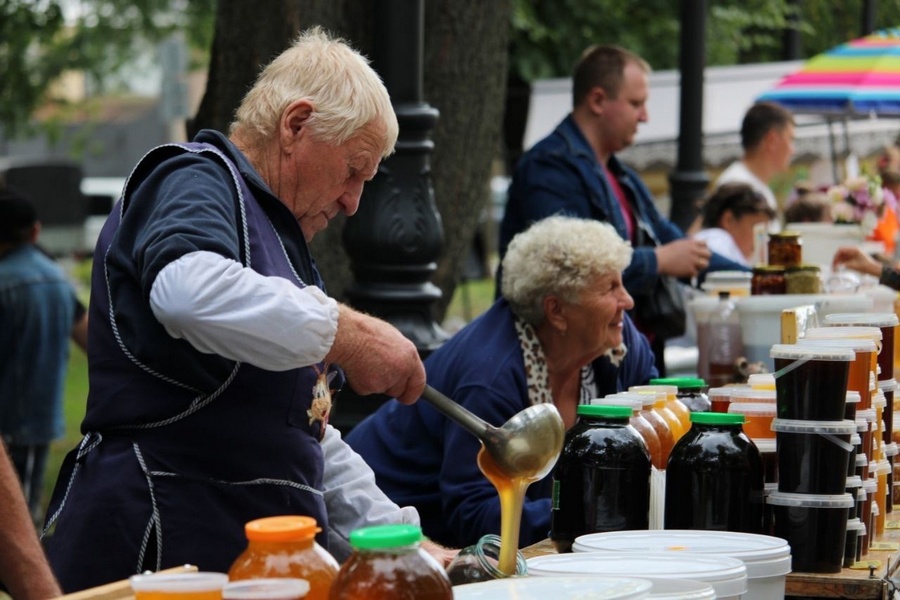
(285, 546)
(388, 562)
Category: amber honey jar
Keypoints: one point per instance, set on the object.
(767, 280)
(785, 249)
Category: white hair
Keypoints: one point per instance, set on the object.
(346, 93)
(559, 255)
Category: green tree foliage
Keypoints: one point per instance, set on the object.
(100, 38)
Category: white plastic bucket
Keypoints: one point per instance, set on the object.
(681, 589)
(537, 588)
(727, 576)
(767, 558)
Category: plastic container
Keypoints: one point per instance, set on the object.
(541, 588)
(601, 481)
(854, 484)
(199, 585)
(757, 418)
(639, 422)
(815, 526)
(767, 451)
(767, 558)
(725, 342)
(886, 322)
(852, 548)
(728, 576)
(761, 381)
(282, 588)
(860, 368)
(811, 381)
(853, 400)
(388, 562)
(720, 398)
(665, 394)
(681, 589)
(888, 387)
(286, 547)
(813, 455)
(714, 479)
(478, 562)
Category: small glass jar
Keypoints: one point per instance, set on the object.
(803, 279)
(767, 280)
(785, 249)
(478, 562)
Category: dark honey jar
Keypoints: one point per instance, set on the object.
(767, 280)
(785, 249)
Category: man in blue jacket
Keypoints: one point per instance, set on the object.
(574, 171)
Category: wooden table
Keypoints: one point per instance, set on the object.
(853, 584)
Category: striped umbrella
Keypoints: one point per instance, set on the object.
(858, 78)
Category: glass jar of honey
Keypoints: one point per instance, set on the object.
(803, 279)
(767, 280)
(388, 562)
(285, 546)
(785, 249)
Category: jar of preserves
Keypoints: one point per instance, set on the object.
(285, 546)
(785, 249)
(714, 479)
(478, 562)
(767, 280)
(601, 481)
(388, 562)
(803, 279)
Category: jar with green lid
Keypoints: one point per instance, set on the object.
(714, 479)
(767, 280)
(601, 481)
(691, 391)
(785, 249)
(803, 279)
(388, 562)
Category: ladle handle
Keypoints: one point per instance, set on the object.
(471, 423)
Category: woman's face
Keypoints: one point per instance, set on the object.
(595, 322)
(741, 229)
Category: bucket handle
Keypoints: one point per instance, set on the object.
(848, 447)
(787, 369)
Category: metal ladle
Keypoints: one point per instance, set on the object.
(526, 446)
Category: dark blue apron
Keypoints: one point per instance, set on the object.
(187, 465)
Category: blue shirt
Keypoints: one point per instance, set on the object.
(37, 313)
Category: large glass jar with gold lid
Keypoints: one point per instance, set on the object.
(766, 280)
(785, 248)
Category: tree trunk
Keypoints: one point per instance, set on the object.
(465, 77)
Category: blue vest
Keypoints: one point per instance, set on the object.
(181, 448)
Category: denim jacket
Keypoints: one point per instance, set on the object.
(561, 175)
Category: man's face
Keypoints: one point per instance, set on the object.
(320, 180)
(782, 147)
(623, 114)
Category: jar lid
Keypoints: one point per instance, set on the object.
(761, 381)
(823, 352)
(720, 392)
(385, 536)
(680, 382)
(888, 385)
(866, 319)
(842, 331)
(855, 525)
(669, 389)
(810, 500)
(891, 449)
(867, 414)
(845, 427)
(765, 445)
(759, 409)
(715, 418)
(266, 589)
(870, 485)
(632, 403)
(853, 397)
(802, 268)
(854, 481)
(855, 439)
(859, 344)
(605, 410)
(768, 270)
(860, 460)
(784, 235)
(752, 395)
(281, 529)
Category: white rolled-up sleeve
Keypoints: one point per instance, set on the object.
(221, 307)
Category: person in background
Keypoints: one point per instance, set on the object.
(574, 171)
(39, 315)
(888, 226)
(854, 258)
(24, 571)
(767, 138)
(214, 349)
(560, 333)
(729, 217)
(808, 206)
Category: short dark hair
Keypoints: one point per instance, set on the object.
(810, 206)
(738, 198)
(602, 66)
(760, 119)
(17, 216)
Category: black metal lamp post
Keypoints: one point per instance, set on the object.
(689, 181)
(396, 236)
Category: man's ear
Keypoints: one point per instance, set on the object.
(294, 119)
(595, 98)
